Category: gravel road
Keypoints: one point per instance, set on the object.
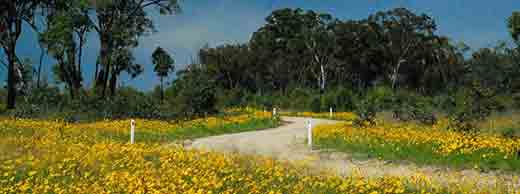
(288, 142)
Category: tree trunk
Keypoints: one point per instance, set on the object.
(113, 83)
(162, 90)
(96, 72)
(395, 73)
(322, 84)
(104, 79)
(11, 81)
(80, 55)
(14, 25)
(104, 72)
(42, 54)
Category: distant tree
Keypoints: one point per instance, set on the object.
(401, 34)
(296, 45)
(13, 17)
(195, 91)
(359, 59)
(123, 61)
(119, 24)
(64, 39)
(164, 64)
(513, 24)
(231, 65)
(320, 43)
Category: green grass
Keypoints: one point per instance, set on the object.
(152, 136)
(420, 154)
(193, 132)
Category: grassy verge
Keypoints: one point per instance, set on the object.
(340, 116)
(421, 154)
(147, 131)
(422, 145)
(192, 132)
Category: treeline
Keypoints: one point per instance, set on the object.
(392, 60)
(62, 28)
(396, 48)
(299, 59)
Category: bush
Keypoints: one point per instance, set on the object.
(316, 104)
(510, 132)
(409, 106)
(367, 109)
(382, 96)
(470, 106)
(345, 99)
(300, 99)
(197, 93)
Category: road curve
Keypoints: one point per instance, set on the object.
(288, 142)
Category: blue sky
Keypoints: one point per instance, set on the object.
(479, 23)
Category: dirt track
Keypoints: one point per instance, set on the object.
(288, 142)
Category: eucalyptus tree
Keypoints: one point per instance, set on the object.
(14, 14)
(359, 60)
(320, 43)
(164, 64)
(119, 24)
(280, 46)
(123, 61)
(440, 65)
(230, 65)
(401, 35)
(297, 44)
(64, 39)
(513, 24)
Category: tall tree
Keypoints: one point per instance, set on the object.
(296, 44)
(401, 34)
(13, 15)
(119, 25)
(320, 43)
(65, 38)
(164, 64)
(123, 61)
(513, 23)
(514, 29)
(358, 53)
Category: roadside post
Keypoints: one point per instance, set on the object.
(330, 112)
(132, 131)
(309, 133)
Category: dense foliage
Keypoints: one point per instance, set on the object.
(391, 60)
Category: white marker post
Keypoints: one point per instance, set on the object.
(309, 133)
(132, 131)
(274, 112)
(330, 110)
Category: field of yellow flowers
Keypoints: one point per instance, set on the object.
(56, 157)
(424, 144)
(39, 156)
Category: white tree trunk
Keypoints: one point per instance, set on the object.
(323, 78)
(395, 73)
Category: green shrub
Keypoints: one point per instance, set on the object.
(510, 132)
(345, 99)
(410, 106)
(299, 98)
(367, 109)
(470, 106)
(382, 96)
(316, 104)
(197, 93)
